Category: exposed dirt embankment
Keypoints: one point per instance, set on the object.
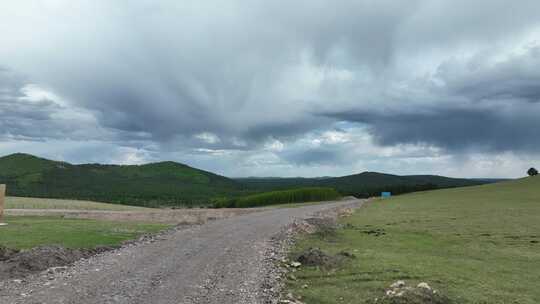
(17, 264)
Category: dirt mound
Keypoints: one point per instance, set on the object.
(316, 257)
(6, 253)
(15, 264)
(400, 293)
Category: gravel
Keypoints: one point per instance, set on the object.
(232, 261)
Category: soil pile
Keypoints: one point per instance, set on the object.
(316, 257)
(17, 264)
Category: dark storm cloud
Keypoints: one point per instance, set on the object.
(315, 156)
(493, 107)
(288, 129)
(454, 129)
(514, 79)
(181, 75)
(171, 69)
(21, 118)
(27, 116)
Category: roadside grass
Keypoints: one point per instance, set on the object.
(45, 203)
(475, 244)
(29, 232)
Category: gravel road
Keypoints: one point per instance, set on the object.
(223, 262)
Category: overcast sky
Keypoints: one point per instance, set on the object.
(275, 88)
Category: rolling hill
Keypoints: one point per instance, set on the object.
(163, 183)
(175, 184)
(362, 185)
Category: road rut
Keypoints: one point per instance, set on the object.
(219, 262)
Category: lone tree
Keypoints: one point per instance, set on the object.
(532, 172)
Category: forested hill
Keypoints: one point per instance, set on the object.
(163, 183)
(363, 184)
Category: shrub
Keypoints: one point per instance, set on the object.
(532, 172)
(279, 197)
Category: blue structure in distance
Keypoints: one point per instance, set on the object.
(386, 194)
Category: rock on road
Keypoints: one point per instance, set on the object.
(219, 262)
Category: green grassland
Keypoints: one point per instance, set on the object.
(280, 197)
(28, 232)
(476, 244)
(47, 203)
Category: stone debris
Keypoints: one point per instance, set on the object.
(398, 284)
(345, 212)
(424, 285)
(296, 264)
(400, 293)
(302, 227)
(290, 299)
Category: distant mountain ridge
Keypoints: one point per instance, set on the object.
(174, 184)
(363, 184)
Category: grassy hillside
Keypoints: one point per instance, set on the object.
(476, 244)
(301, 195)
(362, 185)
(165, 183)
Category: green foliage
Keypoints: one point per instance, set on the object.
(532, 172)
(474, 244)
(29, 232)
(23, 164)
(280, 197)
(176, 185)
(362, 185)
(151, 185)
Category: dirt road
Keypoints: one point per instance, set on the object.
(224, 262)
(166, 216)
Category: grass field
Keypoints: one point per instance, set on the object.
(476, 244)
(28, 232)
(44, 203)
